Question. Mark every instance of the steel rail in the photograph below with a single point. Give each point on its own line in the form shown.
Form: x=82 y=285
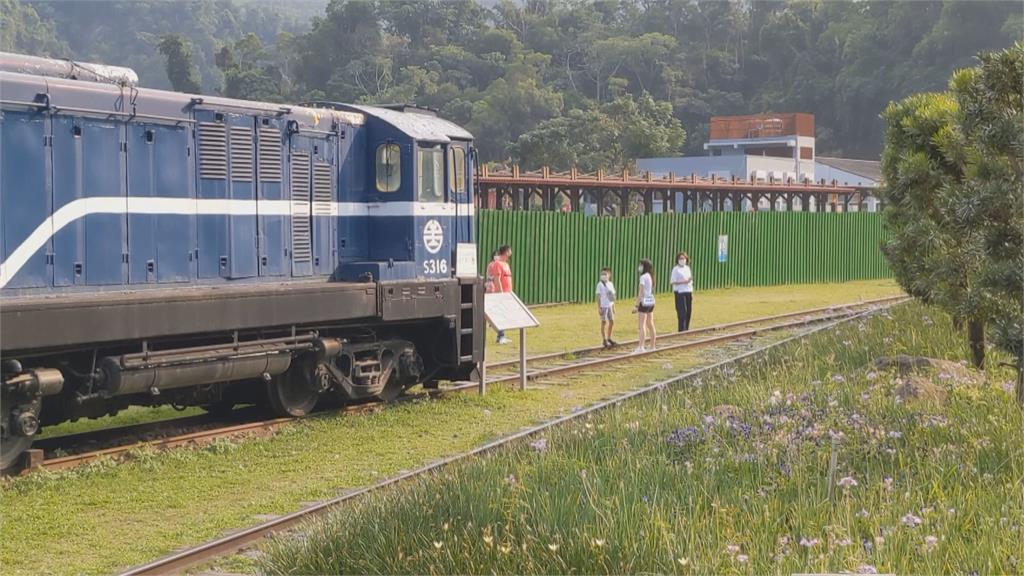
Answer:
x=232 y=543
x=714 y=328
x=65 y=462
x=73 y=460
x=602 y=360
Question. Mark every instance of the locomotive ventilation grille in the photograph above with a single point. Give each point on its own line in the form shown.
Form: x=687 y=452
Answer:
x=213 y=154
x=241 y=154
x=301 y=250
x=322 y=189
x=270 y=155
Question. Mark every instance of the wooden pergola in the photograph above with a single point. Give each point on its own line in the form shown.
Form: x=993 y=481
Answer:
x=624 y=193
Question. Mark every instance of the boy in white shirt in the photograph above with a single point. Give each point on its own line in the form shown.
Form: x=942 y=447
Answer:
x=606 y=306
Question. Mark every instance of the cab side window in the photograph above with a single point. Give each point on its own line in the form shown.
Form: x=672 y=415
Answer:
x=457 y=169
x=431 y=165
x=389 y=167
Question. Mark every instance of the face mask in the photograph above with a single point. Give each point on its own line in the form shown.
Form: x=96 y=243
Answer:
x=640 y=269
x=604 y=277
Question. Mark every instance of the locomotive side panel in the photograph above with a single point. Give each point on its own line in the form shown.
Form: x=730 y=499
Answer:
x=273 y=225
x=161 y=189
x=26 y=199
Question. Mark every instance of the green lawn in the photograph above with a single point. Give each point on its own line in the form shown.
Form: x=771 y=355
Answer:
x=106 y=516
x=730 y=474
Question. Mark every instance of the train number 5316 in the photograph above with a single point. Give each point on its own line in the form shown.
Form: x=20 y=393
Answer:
x=435 y=266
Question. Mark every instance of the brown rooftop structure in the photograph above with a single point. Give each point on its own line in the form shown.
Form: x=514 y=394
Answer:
x=762 y=126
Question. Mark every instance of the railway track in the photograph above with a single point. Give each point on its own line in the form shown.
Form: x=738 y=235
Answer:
x=239 y=540
x=210 y=427
x=588 y=358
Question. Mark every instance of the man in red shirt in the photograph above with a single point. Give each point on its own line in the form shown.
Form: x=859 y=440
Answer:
x=499 y=278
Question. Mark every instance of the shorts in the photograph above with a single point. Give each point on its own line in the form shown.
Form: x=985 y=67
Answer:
x=645 y=309
x=607 y=314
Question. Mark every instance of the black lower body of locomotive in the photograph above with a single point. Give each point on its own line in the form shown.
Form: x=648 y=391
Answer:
x=286 y=346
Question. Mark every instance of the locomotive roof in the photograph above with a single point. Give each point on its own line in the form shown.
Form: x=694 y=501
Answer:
x=98 y=98
x=416 y=125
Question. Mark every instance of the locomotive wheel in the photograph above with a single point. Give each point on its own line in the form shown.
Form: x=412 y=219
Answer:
x=289 y=394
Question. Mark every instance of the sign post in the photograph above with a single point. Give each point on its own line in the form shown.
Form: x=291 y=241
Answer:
x=505 y=311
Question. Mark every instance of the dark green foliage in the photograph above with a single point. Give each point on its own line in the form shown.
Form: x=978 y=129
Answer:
x=21 y=30
x=504 y=68
x=610 y=136
x=249 y=72
x=180 y=70
x=128 y=32
x=991 y=122
x=953 y=167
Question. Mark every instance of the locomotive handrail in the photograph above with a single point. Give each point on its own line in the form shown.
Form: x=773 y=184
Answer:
x=126 y=115
x=23 y=103
x=300 y=130
x=195 y=102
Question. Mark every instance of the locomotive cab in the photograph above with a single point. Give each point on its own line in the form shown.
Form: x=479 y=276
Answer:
x=417 y=194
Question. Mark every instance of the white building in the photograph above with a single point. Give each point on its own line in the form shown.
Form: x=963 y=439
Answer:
x=768 y=147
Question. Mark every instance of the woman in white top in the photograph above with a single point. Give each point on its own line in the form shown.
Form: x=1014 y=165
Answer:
x=682 y=285
x=645 y=306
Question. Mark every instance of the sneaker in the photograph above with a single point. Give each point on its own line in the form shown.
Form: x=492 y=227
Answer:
x=639 y=349
x=605 y=344
x=612 y=343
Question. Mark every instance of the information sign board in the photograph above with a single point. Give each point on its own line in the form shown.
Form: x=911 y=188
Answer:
x=505 y=311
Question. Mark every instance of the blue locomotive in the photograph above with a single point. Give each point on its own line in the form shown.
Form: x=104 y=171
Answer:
x=166 y=248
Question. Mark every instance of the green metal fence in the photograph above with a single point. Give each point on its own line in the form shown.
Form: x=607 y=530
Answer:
x=557 y=256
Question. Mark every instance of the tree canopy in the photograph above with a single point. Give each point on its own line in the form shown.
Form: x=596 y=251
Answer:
x=517 y=72
x=955 y=193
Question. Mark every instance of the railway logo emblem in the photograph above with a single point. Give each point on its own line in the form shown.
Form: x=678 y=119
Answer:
x=433 y=236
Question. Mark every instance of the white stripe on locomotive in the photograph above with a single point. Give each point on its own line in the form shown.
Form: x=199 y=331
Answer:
x=83 y=207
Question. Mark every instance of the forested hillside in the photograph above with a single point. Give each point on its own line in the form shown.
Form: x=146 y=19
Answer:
x=127 y=32
x=546 y=82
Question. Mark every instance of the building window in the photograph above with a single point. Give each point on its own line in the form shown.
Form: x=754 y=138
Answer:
x=457 y=169
x=389 y=167
x=431 y=188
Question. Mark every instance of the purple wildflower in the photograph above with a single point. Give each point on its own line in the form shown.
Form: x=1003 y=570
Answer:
x=539 y=445
x=683 y=437
x=910 y=520
x=847 y=482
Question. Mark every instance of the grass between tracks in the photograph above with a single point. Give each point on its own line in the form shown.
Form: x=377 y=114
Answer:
x=105 y=516
x=730 y=474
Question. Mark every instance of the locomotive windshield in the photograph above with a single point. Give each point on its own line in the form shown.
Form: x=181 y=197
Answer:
x=431 y=185
x=389 y=167
x=457 y=169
